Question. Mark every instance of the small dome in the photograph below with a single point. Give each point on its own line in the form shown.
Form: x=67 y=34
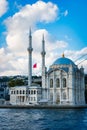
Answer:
x=63 y=61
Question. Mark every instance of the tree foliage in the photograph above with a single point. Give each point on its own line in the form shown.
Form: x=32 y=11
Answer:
x=16 y=82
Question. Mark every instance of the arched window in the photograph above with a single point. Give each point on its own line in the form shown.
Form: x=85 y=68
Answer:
x=17 y=91
x=57 y=83
x=20 y=92
x=51 y=83
x=64 y=82
x=34 y=91
x=57 y=98
x=23 y=92
x=31 y=91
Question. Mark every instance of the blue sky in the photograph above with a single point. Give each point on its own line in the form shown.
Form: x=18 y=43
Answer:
x=63 y=25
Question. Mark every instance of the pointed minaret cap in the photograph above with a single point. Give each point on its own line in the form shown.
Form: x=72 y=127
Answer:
x=30 y=31
x=43 y=37
x=63 y=55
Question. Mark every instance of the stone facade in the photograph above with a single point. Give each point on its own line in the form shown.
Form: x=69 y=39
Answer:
x=24 y=95
x=65 y=84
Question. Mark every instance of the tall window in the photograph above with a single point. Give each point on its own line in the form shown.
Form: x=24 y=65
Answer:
x=17 y=91
x=51 y=83
x=64 y=96
x=58 y=98
x=20 y=92
x=34 y=91
x=23 y=92
x=31 y=91
x=11 y=92
x=64 y=82
x=57 y=83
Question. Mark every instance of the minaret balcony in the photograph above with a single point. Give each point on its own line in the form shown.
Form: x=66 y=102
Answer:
x=43 y=53
x=30 y=49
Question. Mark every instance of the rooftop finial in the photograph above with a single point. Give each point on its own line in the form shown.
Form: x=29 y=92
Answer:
x=63 y=55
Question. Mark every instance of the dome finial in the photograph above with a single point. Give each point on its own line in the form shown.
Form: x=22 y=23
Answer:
x=63 y=55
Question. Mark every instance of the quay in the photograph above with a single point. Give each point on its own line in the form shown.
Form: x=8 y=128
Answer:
x=43 y=106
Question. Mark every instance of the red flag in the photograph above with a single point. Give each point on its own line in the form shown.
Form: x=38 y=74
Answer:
x=35 y=65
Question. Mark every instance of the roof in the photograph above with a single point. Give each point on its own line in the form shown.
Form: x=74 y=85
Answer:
x=63 y=61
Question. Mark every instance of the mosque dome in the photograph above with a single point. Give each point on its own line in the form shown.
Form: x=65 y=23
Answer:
x=63 y=61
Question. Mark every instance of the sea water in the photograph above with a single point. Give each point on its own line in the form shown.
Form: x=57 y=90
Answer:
x=43 y=119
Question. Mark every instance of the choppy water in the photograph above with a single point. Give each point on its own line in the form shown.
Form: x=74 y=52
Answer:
x=43 y=119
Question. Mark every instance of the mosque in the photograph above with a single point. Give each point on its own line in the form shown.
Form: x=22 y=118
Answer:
x=62 y=84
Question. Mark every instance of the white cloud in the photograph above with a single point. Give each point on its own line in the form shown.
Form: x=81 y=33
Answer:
x=3 y=7
x=28 y=16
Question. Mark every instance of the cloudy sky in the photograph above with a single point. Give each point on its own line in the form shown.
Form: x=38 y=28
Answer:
x=63 y=23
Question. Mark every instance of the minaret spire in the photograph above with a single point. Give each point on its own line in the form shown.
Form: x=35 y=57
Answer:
x=43 y=53
x=30 y=32
x=30 y=49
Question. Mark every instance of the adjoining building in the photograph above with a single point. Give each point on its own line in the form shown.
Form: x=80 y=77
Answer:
x=22 y=95
x=62 y=84
x=4 y=90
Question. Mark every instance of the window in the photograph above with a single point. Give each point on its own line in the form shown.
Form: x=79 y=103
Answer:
x=17 y=91
x=64 y=82
x=23 y=99
x=23 y=92
x=11 y=92
x=57 y=83
x=31 y=98
x=34 y=91
x=51 y=83
x=20 y=92
x=31 y=91
x=58 y=98
x=64 y=95
x=2 y=95
x=34 y=99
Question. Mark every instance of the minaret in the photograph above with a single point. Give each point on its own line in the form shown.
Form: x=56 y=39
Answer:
x=43 y=53
x=30 y=49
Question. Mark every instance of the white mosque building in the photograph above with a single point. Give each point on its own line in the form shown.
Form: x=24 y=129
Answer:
x=62 y=84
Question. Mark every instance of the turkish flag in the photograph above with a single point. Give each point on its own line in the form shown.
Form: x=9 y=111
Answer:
x=35 y=65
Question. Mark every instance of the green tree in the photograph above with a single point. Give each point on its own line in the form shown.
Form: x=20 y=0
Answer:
x=16 y=82
x=19 y=82
x=11 y=83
